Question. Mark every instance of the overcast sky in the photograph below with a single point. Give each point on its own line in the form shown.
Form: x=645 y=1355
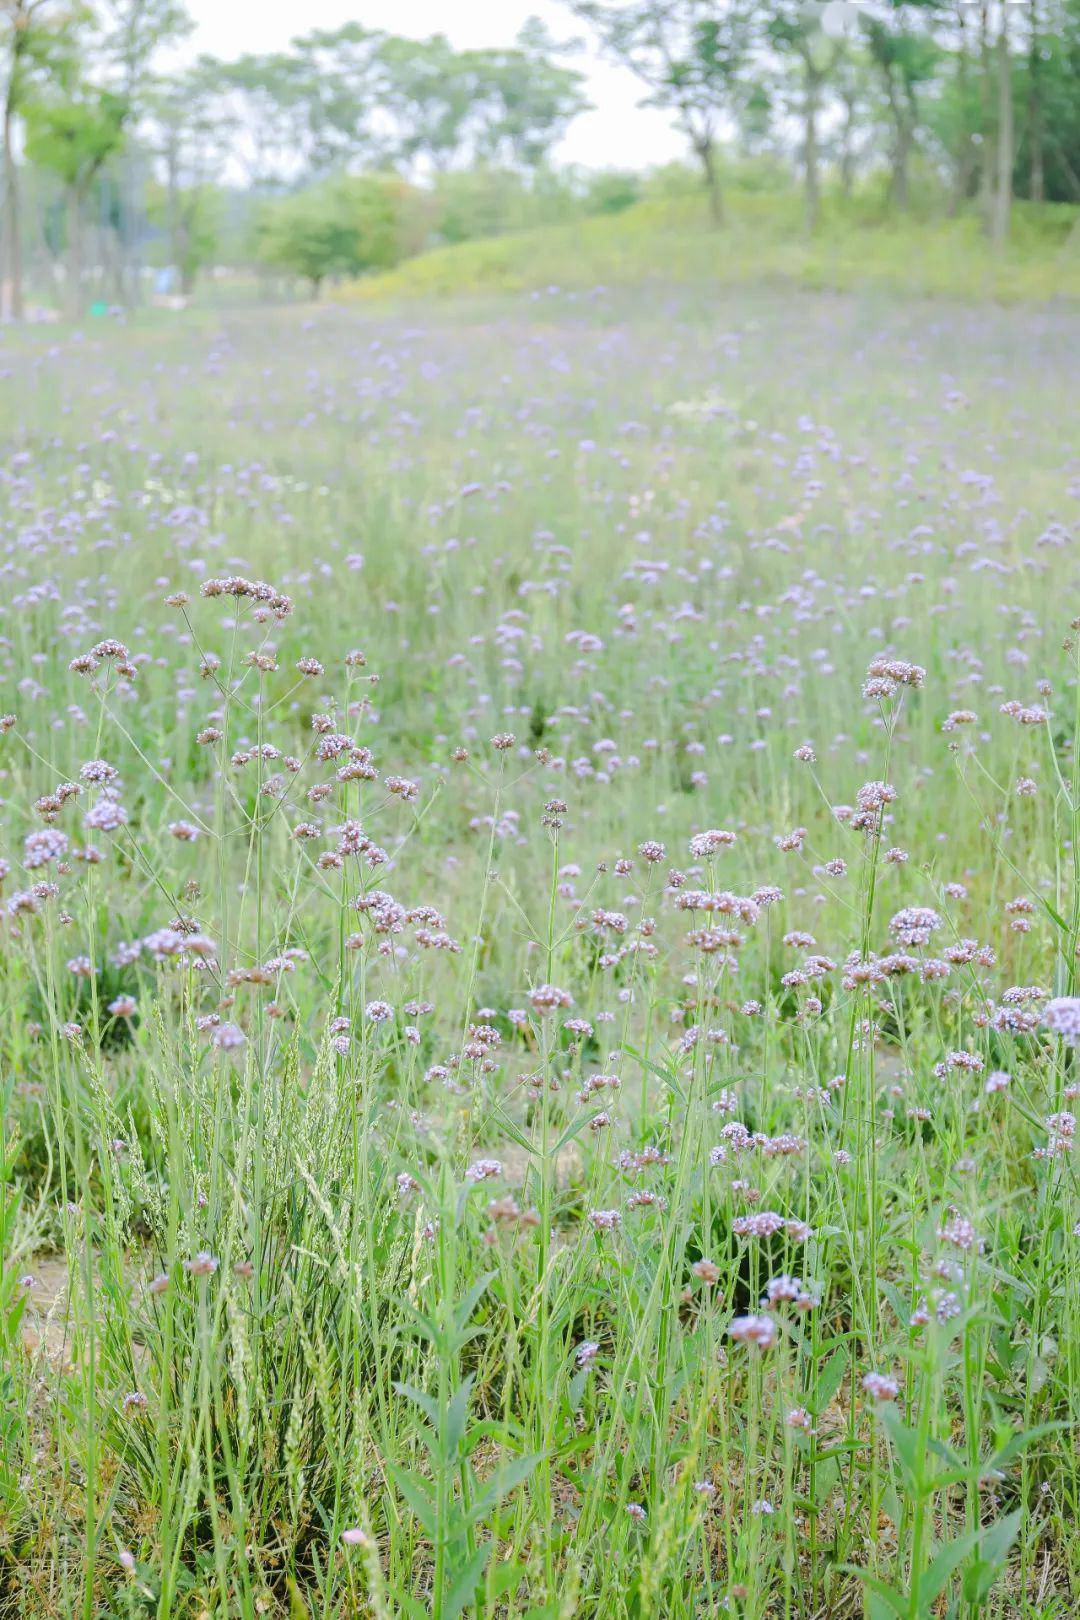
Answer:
x=617 y=133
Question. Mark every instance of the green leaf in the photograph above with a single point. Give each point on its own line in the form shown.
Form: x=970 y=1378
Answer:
x=997 y=1540
x=468 y=1303
x=1013 y=1447
x=575 y=1129
x=947 y=1453
x=428 y=1406
x=456 y=1416
x=907 y=1447
x=878 y=1608
x=829 y=1380
x=1056 y=917
x=466 y=1582
x=416 y=1499
x=508 y=1128
x=500 y=1483
x=505 y=1577
x=950 y=1557
x=298 y=1609
x=411 y=1607
x=576 y=1388
x=881 y=1599
x=666 y=1075
x=423 y=1324
x=993 y=1552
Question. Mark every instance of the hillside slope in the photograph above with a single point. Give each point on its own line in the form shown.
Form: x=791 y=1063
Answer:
x=672 y=241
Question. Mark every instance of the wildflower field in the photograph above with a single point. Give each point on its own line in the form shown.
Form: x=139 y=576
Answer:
x=541 y=895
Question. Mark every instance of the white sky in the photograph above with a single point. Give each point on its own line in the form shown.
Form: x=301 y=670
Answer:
x=617 y=134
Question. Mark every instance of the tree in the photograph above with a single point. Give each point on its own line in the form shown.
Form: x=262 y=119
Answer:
x=259 y=105
x=690 y=54
x=76 y=123
x=310 y=109
x=427 y=88
x=956 y=116
x=191 y=216
x=1003 y=197
x=340 y=76
x=795 y=29
x=133 y=31
x=1036 y=189
x=75 y=138
x=496 y=106
x=340 y=227
x=852 y=86
x=1048 y=155
x=522 y=100
x=905 y=60
x=38 y=39
x=189 y=140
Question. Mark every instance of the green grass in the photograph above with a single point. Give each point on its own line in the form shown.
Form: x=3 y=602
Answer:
x=339 y=1320
x=671 y=242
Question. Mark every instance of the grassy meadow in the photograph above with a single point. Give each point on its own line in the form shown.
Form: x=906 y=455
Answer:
x=540 y=914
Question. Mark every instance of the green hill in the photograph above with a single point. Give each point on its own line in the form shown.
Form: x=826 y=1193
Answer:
x=671 y=241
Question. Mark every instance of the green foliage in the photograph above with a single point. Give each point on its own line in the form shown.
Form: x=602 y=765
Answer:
x=521 y=99
x=612 y=192
x=691 y=57
x=41 y=45
x=428 y=88
x=1045 y=84
x=343 y=227
x=191 y=220
x=134 y=31
x=75 y=137
x=469 y=203
x=352 y=96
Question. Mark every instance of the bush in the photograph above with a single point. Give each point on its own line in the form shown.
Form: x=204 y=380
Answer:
x=341 y=227
x=471 y=203
x=612 y=192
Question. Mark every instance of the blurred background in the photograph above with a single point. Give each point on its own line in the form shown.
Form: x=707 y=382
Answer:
x=156 y=153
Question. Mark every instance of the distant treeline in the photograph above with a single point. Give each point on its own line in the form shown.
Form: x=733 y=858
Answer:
x=355 y=148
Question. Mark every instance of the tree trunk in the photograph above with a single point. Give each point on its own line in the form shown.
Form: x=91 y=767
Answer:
x=965 y=159
x=1072 y=179
x=901 y=192
x=1003 y=199
x=810 y=152
x=12 y=265
x=963 y=176
x=130 y=251
x=75 y=251
x=183 y=255
x=847 y=154
x=1037 y=183
x=986 y=173
x=902 y=136
x=172 y=204
x=706 y=152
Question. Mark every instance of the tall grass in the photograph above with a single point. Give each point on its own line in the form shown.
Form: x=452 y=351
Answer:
x=590 y=1132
